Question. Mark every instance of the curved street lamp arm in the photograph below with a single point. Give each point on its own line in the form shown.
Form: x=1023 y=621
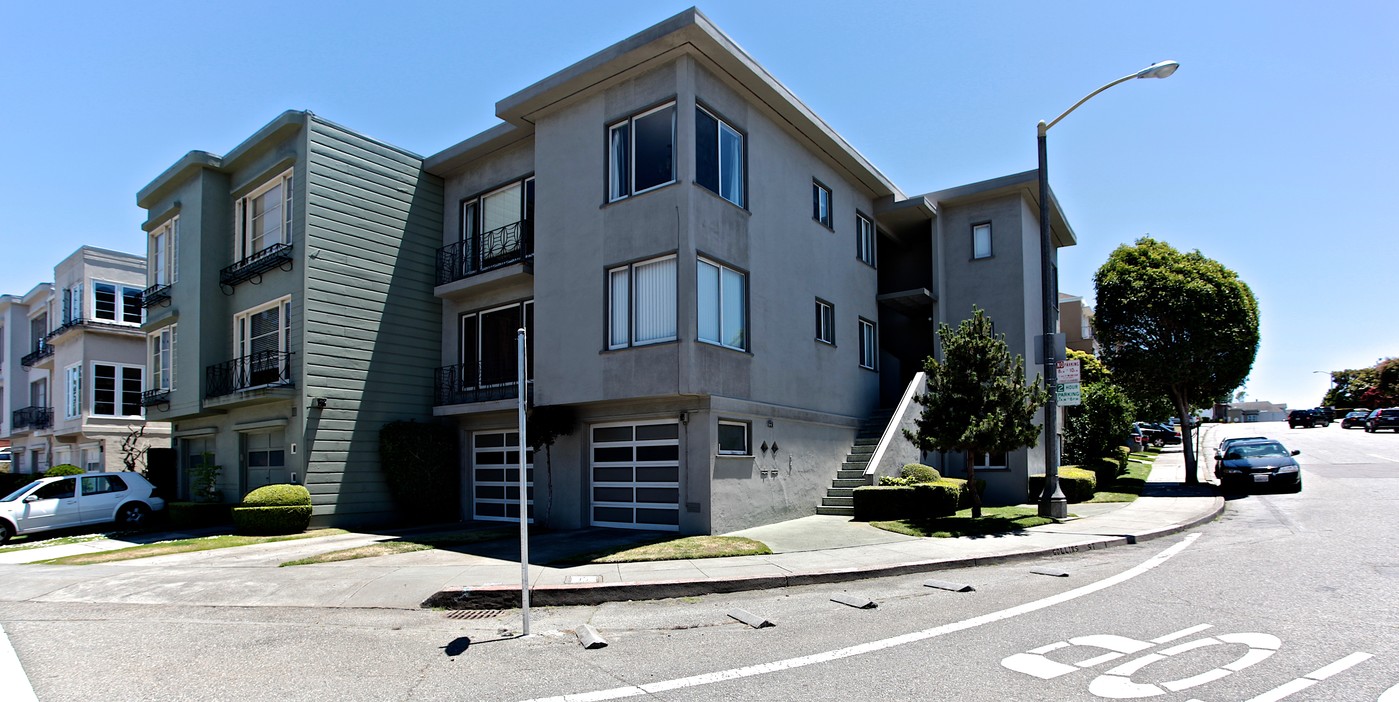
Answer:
x=1045 y=127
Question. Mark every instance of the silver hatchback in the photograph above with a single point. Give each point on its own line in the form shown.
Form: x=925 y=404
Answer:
x=77 y=500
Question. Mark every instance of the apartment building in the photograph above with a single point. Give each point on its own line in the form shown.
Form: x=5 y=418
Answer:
x=1076 y=324
x=719 y=291
x=289 y=310
x=74 y=395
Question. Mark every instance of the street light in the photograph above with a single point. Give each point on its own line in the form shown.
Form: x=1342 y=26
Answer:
x=1052 y=501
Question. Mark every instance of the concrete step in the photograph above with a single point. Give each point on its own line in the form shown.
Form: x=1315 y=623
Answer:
x=840 y=492
x=836 y=511
x=871 y=441
x=847 y=483
x=855 y=465
x=855 y=474
x=829 y=501
x=862 y=450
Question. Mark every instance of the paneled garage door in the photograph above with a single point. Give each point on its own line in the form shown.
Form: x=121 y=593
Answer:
x=636 y=475
x=495 y=473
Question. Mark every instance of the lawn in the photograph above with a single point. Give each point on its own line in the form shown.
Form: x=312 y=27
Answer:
x=1128 y=486
x=23 y=543
x=677 y=549
x=994 y=520
x=165 y=548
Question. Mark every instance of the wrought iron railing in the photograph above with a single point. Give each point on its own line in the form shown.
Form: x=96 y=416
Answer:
x=262 y=369
x=157 y=293
x=255 y=265
x=44 y=351
x=497 y=248
x=464 y=383
x=32 y=418
x=155 y=396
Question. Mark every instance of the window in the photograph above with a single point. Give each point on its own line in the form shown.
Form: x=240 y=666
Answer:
x=991 y=461
x=64 y=489
x=733 y=438
x=496 y=226
x=102 y=484
x=981 y=240
x=864 y=239
x=73 y=303
x=116 y=390
x=821 y=204
x=263 y=338
x=264 y=216
x=164 y=247
x=163 y=358
x=723 y=303
x=718 y=156
x=115 y=303
x=868 y=344
x=73 y=406
x=641 y=153
x=641 y=299
x=489 y=355
x=825 y=321
x=38 y=328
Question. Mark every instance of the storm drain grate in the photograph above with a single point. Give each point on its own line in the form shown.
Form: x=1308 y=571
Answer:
x=473 y=613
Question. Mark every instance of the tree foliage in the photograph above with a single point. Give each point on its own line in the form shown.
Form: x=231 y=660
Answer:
x=1094 y=429
x=1371 y=388
x=1091 y=370
x=421 y=467
x=977 y=400
x=1177 y=324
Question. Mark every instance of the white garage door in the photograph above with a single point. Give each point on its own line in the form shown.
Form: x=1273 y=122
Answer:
x=636 y=475
x=495 y=476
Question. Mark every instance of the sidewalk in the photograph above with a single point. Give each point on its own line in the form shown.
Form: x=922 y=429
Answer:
x=817 y=549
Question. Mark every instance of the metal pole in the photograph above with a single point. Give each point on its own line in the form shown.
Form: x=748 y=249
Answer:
x=1053 y=503
x=524 y=493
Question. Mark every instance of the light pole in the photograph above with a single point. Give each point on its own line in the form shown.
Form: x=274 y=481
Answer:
x=1052 y=502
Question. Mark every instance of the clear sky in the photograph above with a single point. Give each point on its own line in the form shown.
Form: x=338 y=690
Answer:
x=1272 y=150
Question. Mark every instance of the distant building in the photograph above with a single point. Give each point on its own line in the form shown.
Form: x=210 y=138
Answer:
x=1251 y=412
x=1076 y=324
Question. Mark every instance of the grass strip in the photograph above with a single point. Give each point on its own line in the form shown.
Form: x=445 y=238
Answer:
x=165 y=548
x=678 y=549
x=16 y=545
x=420 y=542
x=994 y=520
x=1127 y=487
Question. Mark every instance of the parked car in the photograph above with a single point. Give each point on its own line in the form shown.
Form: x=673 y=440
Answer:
x=1224 y=445
x=1330 y=413
x=1355 y=419
x=1259 y=463
x=1306 y=418
x=1387 y=418
x=76 y=500
x=1158 y=434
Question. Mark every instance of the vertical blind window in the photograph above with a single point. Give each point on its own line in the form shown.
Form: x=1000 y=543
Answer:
x=722 y=298
x=75 y=392
x=641 y=153
x=718 y=156
x=642 y=303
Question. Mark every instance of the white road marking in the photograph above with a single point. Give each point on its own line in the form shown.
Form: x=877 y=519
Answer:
x=872 y=646
x=1117 y=683
x=1180 y=634
x=1382 y=458
x=1390 y=695
x=12 y=678
x=1315 y=677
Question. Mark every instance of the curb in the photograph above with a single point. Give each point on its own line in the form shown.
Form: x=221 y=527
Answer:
x=508 y=597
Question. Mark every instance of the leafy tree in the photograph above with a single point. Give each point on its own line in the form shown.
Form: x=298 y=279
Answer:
x=1376 y=386
x=977 y=400
x=1177 y=324
x=544 y=425
x=1094 y=429
x=1091 y=370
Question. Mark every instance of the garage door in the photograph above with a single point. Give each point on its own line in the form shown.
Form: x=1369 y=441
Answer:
x=495 y=476
x=636 y=475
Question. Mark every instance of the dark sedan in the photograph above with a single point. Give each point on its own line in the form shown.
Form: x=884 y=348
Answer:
x=1259 y=463
x=1355 y=419
x=1387 y=418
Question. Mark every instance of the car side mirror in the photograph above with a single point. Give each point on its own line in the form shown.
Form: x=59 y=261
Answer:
x=31 y=498
x=1296 y=452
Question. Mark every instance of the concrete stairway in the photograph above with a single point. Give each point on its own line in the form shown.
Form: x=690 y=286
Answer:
x=840 y=499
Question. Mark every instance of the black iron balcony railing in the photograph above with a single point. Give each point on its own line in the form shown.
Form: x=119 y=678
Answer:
x=276 y=255
x=476 y=382
x=32 y=418
x=44 y=351
x=155 y=294
x=497 y=248
x=155 y=396
x=262 y=369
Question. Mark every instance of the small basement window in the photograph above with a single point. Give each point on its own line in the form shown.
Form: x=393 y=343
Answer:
x=733 y=438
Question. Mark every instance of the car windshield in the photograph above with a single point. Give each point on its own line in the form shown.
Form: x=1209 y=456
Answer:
x=15 y=495
x=1268 y=450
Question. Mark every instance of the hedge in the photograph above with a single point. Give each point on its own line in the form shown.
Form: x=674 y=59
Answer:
x=277 y=496
x=1078 y=484
x=63 y=469
x=939 y=498
x=274 y=509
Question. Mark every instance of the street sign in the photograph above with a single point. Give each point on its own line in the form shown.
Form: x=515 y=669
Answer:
x=1068 y=394
x=1067 y=371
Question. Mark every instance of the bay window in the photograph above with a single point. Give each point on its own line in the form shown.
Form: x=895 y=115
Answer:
x=723 y=301
x=718 y=156
x=641 y=303
x=641 y=153
x=264 y=216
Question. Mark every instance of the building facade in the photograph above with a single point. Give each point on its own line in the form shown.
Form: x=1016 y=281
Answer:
x=1076 y=324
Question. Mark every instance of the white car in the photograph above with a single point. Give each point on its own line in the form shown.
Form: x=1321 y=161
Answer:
x=77 y=500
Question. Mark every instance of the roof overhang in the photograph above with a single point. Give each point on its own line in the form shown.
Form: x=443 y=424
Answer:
x=1026 y=185
x=283 y=126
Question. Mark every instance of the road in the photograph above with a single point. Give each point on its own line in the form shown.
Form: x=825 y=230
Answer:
x=1285 y=597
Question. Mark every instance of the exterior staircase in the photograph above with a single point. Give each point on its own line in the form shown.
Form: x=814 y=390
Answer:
x=840 y=498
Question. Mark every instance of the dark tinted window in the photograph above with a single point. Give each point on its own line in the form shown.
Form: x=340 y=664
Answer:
x=60 y=490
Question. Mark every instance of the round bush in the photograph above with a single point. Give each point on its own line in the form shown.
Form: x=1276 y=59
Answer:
x=63 y=469
x=920 y=473
x=277 y=496
x=271 y=521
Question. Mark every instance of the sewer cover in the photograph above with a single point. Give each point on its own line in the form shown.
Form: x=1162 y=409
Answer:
x=473 y=613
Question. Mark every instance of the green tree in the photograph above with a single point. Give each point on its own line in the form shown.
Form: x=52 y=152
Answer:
x=977 y=400
x=1094 y=429
x=1177 y=324
x=1376 y=386
x=1091 y=370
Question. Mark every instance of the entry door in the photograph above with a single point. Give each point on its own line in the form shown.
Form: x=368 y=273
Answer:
x=636 y=475
x=495 y=476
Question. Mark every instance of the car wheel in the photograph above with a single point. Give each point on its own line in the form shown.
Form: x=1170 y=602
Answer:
x=7 y=532
x=134 y=514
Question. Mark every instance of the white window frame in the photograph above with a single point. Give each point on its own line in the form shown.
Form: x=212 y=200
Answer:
x=74 y=303
x=164 y=267
x=119 y=294
x=623 y=185
x=746 y=450
x=719 y=305
x=822 y=195
x=723 y=129
x=245 y=237
x=242 y=341
x=119 y=372
x=622 y=329
x=73 y=398
x=825 y=322
x=864 y=238
x=981 y=241
x=162 y=347
x=984 y=461
x=869 y=344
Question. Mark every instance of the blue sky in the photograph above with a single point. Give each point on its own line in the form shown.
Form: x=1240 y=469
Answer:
x=1272 y=150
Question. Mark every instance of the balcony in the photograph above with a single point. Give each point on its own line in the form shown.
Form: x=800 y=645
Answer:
x=44 y=350
x=155 y=294
x=155 y=396
x=498 y=248
x=466 y=383
x=265 y=369
x=274 y=256
x=32 y=418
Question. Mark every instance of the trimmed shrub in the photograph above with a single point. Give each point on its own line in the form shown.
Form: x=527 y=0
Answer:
x=274 y=509
x=188 y=515
x=420 y=465
x=924 y=474
x=1077 y=483
x=63 y=469
x=938 y=498
x=1105 y=472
